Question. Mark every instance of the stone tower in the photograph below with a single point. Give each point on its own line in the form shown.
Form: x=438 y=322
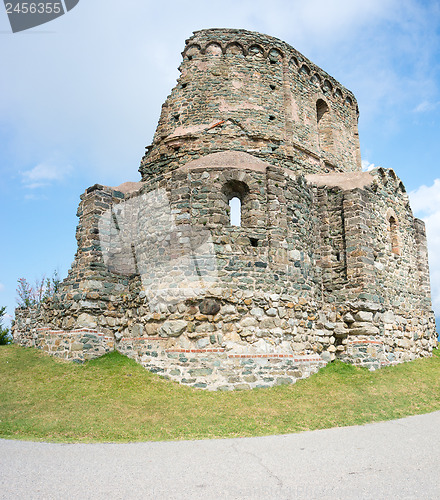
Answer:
x=325 y=262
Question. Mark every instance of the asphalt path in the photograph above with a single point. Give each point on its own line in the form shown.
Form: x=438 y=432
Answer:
x=398 y=459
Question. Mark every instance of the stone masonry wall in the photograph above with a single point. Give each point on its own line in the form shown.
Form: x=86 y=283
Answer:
x=266 y=300
x=327 y=263
x=248 y=92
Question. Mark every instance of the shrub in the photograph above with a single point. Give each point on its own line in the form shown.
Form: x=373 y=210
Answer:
x=4 y=332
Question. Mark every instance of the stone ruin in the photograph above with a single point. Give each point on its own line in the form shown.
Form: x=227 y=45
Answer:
x=326 y=262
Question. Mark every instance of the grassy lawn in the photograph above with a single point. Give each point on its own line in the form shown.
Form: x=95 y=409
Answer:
x=114 y=399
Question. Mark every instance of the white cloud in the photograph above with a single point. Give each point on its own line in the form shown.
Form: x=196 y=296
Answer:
x=318 y=21
x=44 y=174
x=426 y=106
x=367 y=166
x=2 y=287
x=99 y=95
x=426 y=199
x=425 y=202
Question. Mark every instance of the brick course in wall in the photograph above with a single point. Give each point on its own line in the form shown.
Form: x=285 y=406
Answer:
x=327 y=263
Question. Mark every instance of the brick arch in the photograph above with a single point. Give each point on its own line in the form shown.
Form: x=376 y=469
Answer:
x=316 y=79
x=293 y=62
x=192 y=50
x=327 y=86
x=275 y=56
x=234 y=48
x=213 y=49
x=256 y=50
x=304 y=70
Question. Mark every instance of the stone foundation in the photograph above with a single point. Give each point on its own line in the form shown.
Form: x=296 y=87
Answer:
x=256 y=342
x=74 y=345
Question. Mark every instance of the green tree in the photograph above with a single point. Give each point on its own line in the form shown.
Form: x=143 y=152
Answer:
x=31 y=295
x=26 y=295
x=4 y=332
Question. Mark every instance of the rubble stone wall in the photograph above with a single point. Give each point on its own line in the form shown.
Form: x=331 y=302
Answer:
x=244 y=91
x=327 y=263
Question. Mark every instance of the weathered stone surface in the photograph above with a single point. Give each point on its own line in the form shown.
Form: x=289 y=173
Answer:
x=202 y=343
x=257 y=312
x=388 y=317
x=173 y=328
x=348 y=318
x=267 y=323
x=245 y=322
x=209 y=306
x=228 y=309
x=363 y=316
x=359 y=328
x=86 y=320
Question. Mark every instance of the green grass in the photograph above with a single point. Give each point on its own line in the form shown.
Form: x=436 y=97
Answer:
x=114 y=399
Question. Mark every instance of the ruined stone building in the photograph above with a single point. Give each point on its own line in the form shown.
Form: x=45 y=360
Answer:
x=325 y=262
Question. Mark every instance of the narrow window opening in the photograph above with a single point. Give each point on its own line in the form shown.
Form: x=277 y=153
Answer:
x=338 y=256
x=321 y=110
x=176 y=117
x=235 y=211
x=254 y=242
x=184 y=85
x=323 y=119
x=271 y=117
x=272 y=87
x=235 y=196
x=394 y=236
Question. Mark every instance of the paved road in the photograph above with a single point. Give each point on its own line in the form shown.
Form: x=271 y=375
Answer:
x=391 y=460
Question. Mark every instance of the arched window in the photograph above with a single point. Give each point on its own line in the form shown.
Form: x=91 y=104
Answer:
x=325 y=133
x=235 y=211
x=235 y=197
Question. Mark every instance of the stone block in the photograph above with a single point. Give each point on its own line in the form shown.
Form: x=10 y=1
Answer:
x=364 y=316
x=241 y=387
x=348 y=318
x=228 y=309
x=202 y=343
x=257 y=312
x=76 y=346
x=173 y=328
x=86 y=320
x=359 y=328
x=248 y=321
x=388 y=317
x=209 y=307
x=284 y=381
x=200 y=372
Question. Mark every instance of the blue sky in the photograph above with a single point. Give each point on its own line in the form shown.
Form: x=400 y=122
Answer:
x=80 y=98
